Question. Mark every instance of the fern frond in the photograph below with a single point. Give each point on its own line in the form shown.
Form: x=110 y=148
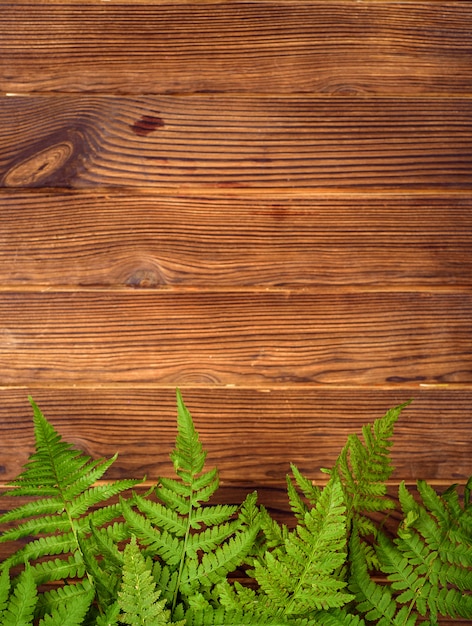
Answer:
x=177 y=493
x=58 y=569
x=365 y=467
x=274 y=534
x=166 y=580
x=222 y=617
x=161 y=543
x=374 y=601
x=430 y=560
x=62 y=479
x=209 y=539
x=311 y=491
x=46 y=506
x=19 y=610
x=198 y=544
x=161 y=516
x=300 y=575
x=42 y=547
x=426 y=586
x=338 y=617
x=138 y=596
x=188 y=456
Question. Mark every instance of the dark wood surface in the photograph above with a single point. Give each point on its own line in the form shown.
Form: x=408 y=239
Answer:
x=267 y=204
x=331 y=47
x=245 y=429
x=352 y=242
x=236 y=338
x=295 y=144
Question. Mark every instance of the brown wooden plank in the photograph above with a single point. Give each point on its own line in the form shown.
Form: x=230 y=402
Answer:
x=227 y=338
x=148 y=241
x=327 y=47
x=296 y=144
x=251 y=435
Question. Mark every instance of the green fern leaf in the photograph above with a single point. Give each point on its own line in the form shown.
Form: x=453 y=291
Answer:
x=198 y=544
x=4 y=589
x=215 y=565
x=161 y=543
x=374 y=601
x=138 y=596
x=42 y=547
x=365 y=467
x=188 y=456
x=338 y=617
x=166 y=580
x=47 y=506
x=62 y=481
x=110 y=616
x=78 y=595
x=431 y=555
x=21 y=605
x=161 y=516
x=309 y=490
x=300 y=576
x=222 y=617
x=58 y=569
x=275 y=534
x=70 y=611
x=210 y=538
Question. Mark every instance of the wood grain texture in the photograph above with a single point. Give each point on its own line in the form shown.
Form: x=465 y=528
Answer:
x=298 y=144
x=266 y=203
x=255 y=339
x=251 y=435
x=336 y=48
x=149 y=241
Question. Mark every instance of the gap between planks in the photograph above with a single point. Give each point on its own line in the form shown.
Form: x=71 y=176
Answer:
x=228 y=290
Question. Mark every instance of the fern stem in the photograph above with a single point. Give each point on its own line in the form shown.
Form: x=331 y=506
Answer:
x=184 y=553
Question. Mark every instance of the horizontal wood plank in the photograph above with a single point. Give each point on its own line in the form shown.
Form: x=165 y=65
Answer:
x=251 y=435
x=225 y=338
x=297 y=144
x=149 y=241
x=335 y=48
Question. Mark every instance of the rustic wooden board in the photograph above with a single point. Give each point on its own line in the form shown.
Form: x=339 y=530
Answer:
x=147 y=241
x=255 y=339
x=298 y=144
x=251 y=435
x=265 y=203
x=336 y=48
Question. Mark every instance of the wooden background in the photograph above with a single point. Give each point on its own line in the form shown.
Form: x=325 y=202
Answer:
x=265 y=203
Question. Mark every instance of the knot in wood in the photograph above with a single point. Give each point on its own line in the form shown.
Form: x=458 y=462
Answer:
x=39 y=166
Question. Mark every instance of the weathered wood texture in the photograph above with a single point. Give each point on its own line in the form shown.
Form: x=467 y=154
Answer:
x=266 y=203
x=235 y=338
x=245 y=429
x=145 y=240
x=270 y=144
x=336 y=48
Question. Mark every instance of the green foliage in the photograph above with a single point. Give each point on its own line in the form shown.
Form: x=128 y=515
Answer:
x=171 y=556
x=138 y=597
x=364 y=469
x=62 y=483
x=302 y=573
x=197 y=546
